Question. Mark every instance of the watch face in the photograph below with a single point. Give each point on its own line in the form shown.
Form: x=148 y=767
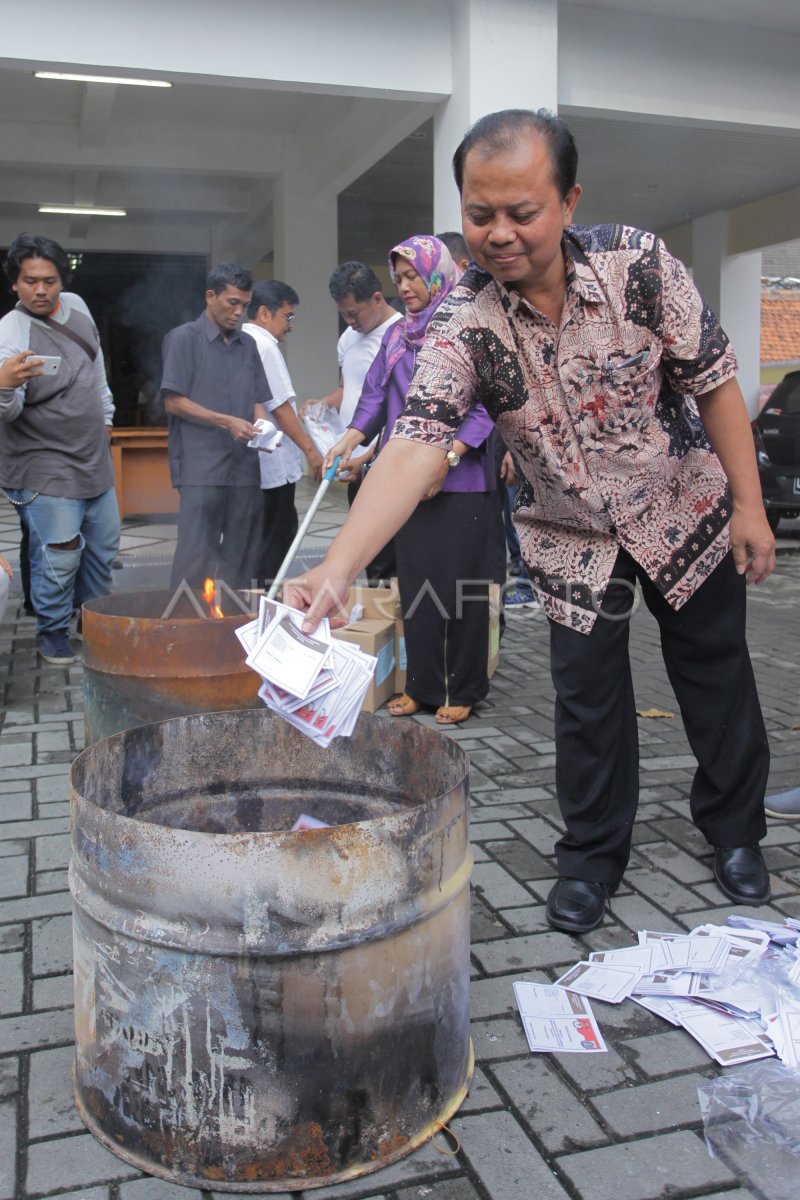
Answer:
x=452 y=459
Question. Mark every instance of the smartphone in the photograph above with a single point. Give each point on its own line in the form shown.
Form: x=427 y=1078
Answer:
x=49 y=363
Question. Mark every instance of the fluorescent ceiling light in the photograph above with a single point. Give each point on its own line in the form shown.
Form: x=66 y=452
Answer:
x=159 y=83
x=79 y=210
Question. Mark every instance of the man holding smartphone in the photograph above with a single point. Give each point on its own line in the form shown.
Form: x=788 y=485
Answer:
x=55 y=460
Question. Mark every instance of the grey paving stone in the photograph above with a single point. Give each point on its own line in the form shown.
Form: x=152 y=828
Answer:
x=651 y=1107
x=30 y=829
x=16 y=806
x=501 y=1155
x=11 y=848
x=154 y=1189
x=457 y=1188
x=649 y=1169
x=53 y=739
x=12 y=937
x=52 y=852
x=556 y=1116
x=427 y=1163
x=72 y=1162
x=30 y=1031
x=522 y=860
x=637 y=913
x=54 y=991
x=9 y=1077
x=481 y=1095
x=495 y=997
x=661 y=889
x=29 y=907
x=498 y=1037
x=527 y=920
x=8 y=1150
x=52 y=945
x=51 y=1107
x=99 y=1193
x=51 y=881
x=16 y=753
x=596 y=1072
x=14 y=877
x=12 y=983
x=667 y=1052
x=499 y=889
x=531 y=950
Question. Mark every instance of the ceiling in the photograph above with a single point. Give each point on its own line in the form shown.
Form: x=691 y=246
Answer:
x=195 y=164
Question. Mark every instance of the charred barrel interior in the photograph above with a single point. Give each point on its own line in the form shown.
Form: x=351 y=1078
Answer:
x=259 y=1009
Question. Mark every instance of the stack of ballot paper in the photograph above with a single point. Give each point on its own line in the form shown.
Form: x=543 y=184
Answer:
x=735 y=988
x=315 y=683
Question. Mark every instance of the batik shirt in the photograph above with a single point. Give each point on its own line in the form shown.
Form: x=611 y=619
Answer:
x=598 y=413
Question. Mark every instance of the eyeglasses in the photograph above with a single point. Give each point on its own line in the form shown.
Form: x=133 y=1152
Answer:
x=289 y=318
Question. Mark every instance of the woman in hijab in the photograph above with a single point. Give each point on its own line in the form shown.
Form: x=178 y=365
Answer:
x=442 y=551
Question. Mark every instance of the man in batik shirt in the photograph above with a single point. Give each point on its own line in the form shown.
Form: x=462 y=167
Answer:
x=614 y=387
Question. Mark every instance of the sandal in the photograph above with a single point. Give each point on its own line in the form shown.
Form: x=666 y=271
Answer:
x=452 y=714
x=403 y=706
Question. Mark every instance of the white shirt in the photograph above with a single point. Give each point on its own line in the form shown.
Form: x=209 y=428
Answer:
x=284 y=465
x=356 y=352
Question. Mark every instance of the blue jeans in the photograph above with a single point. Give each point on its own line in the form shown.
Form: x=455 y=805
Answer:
x=63 y=575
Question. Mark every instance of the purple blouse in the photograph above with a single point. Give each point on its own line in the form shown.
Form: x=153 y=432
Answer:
x=379 y=407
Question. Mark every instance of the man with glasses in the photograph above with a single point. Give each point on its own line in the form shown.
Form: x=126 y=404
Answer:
x=271 y=314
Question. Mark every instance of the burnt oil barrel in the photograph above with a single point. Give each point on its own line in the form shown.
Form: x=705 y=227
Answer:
x=259 y=1009
x=141 y=666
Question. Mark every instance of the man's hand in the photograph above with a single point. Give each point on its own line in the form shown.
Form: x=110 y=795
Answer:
x=752 y=543
x=239 y=429
x=319 y=593
x=343 y=449
x=16 y=371
x=508 y=475
x=314 y=460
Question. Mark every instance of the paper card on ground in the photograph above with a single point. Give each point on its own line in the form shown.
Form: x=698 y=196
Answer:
x=610 y=983
x=728 y=1040
x=634 y=956
x=555 y=1019
x=658 y=1005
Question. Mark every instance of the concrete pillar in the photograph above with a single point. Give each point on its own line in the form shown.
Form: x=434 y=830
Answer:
x=505 y=55
x=305 y=244
x=731 y=285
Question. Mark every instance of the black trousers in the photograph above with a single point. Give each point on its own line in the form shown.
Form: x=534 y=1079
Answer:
x=219 y=535
x=442 y=573
x=597 y=752
x=278 y=530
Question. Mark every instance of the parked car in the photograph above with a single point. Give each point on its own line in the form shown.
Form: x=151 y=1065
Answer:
x=776 y=431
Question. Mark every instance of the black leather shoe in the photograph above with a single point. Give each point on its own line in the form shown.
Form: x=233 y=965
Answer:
x=577 y=905
x=742 y=874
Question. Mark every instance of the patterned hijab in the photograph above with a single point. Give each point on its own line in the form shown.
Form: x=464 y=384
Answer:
x=431 y=259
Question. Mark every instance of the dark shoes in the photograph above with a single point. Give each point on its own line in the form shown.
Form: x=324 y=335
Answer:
x=742 y=874
x=55 y=648
x=577 y=905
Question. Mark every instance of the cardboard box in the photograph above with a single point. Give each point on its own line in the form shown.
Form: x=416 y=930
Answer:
x=380 y=604
x=374 y=637
x=493 y=649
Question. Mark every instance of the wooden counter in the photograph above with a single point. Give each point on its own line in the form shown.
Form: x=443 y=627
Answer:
x=141 y=472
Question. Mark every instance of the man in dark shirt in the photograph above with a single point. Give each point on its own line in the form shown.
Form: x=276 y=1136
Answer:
x=214 y=388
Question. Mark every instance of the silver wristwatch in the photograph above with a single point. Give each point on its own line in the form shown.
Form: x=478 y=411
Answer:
x=452 y=459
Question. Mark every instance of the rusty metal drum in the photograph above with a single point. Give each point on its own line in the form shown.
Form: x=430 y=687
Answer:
x=141 y=666
x=259 y=1009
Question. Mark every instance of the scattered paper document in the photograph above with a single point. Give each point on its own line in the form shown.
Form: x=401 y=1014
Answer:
x=557 y=1020
x=610 y=983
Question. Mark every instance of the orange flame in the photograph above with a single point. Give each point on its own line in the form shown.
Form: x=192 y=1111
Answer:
x=210 y=597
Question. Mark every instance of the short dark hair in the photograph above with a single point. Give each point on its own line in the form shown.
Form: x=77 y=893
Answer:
x=455 y=244
x=355 y=277
x=226 y=275
x=271 y=294
x=31 y=245
x=499 y=131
